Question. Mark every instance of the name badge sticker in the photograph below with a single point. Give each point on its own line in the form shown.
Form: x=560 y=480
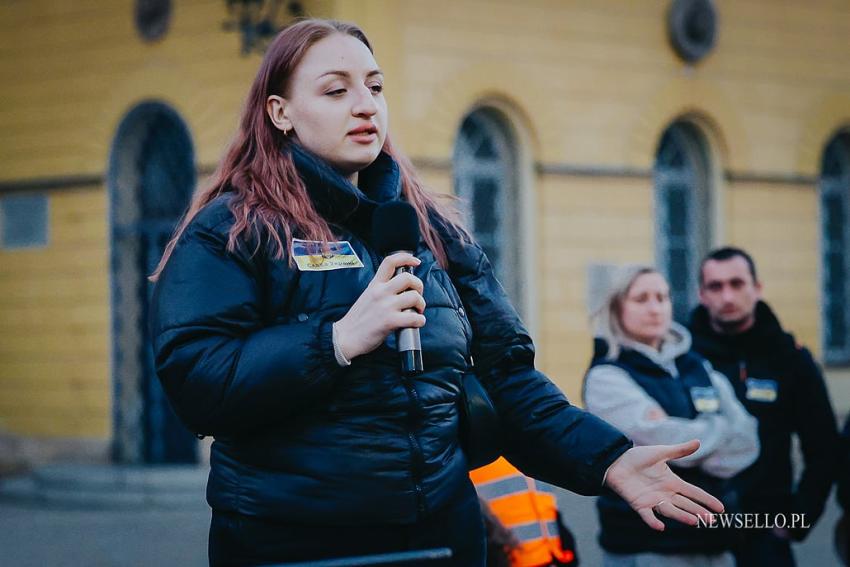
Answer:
x=705 y=399
x=316 y=256
x=759 y=390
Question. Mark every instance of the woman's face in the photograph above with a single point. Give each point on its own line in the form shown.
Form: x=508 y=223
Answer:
x=646 y=311
x=335 y=104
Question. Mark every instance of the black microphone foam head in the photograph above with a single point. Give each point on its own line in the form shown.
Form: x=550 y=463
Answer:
x=395 y=227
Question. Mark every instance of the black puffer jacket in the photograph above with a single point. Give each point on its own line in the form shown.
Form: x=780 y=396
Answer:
x=766 y=353
x=243 y=348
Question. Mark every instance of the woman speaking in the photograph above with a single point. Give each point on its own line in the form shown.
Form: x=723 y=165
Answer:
x=275 y=318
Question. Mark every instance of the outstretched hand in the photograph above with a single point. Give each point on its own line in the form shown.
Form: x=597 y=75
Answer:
x=643 y=479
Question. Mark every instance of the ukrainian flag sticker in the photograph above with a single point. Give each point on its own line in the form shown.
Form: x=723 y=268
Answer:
x=705 y=399
x=316 y=256
x=762 y=390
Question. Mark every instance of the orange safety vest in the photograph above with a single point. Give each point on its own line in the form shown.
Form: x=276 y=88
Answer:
x=527 y=508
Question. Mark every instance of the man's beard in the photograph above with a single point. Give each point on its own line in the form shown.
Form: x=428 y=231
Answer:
x=731 y=326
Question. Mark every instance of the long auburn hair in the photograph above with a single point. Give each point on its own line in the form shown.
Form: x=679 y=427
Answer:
x=269 y=195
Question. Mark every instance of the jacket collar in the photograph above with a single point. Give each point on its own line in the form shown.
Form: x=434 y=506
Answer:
x=336 y=198
x=765 y=334
x=676 y=343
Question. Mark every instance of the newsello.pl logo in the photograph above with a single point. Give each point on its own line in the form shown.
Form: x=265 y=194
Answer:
x=749 y=521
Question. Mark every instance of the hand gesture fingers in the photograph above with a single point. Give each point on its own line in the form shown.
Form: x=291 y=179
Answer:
x=699 y=496
x=648 y=516
x=691 y=507
x=641 y=476
x=673 y=452
x=668 y=509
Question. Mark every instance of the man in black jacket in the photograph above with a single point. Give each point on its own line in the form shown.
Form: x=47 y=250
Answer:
x=778 y=382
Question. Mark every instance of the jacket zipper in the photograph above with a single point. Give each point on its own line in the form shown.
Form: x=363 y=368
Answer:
x=414 y=413
x=417 y=459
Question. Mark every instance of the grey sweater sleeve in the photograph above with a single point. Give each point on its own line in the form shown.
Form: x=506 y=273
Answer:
x=741 y=446
x=611 y=394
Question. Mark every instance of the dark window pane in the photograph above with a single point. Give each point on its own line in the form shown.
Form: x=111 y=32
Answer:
x=485 y=218
x=836 y=276
x=677 y=273
x=167 y=169
x=670 y=153
x=677 y=268
x=469 y=129
x=484 y=198
x=677 y=210
x=831 y=165
x=836 y=331
x=681 y=303
x=836 y=157
x=486 y=148
x=23 y=219
x=834 y=217
x=677 y=158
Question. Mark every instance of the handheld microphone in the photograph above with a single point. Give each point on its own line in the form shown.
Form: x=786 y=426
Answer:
x=395 y=228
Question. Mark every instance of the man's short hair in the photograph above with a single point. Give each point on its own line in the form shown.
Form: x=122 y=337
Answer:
x=727 y=253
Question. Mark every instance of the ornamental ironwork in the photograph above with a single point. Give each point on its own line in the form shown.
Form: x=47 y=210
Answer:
x=258 y=21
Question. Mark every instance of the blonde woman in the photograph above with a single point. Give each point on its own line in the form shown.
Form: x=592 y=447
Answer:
x=646 y=381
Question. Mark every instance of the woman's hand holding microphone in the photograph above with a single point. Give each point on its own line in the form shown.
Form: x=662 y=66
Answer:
x=382 y=308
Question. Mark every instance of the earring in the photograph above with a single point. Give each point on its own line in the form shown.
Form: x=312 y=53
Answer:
x=286 y=131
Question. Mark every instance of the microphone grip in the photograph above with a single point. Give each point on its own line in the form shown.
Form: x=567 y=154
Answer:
x=410 y=350
x=409 y=345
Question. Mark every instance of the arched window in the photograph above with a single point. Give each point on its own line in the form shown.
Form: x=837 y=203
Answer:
x=151 y=179
x=485 y=178
x=835 y=249
x=682 y=205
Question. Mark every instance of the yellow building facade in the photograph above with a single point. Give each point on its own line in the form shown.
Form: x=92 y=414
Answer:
x=583 y=93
